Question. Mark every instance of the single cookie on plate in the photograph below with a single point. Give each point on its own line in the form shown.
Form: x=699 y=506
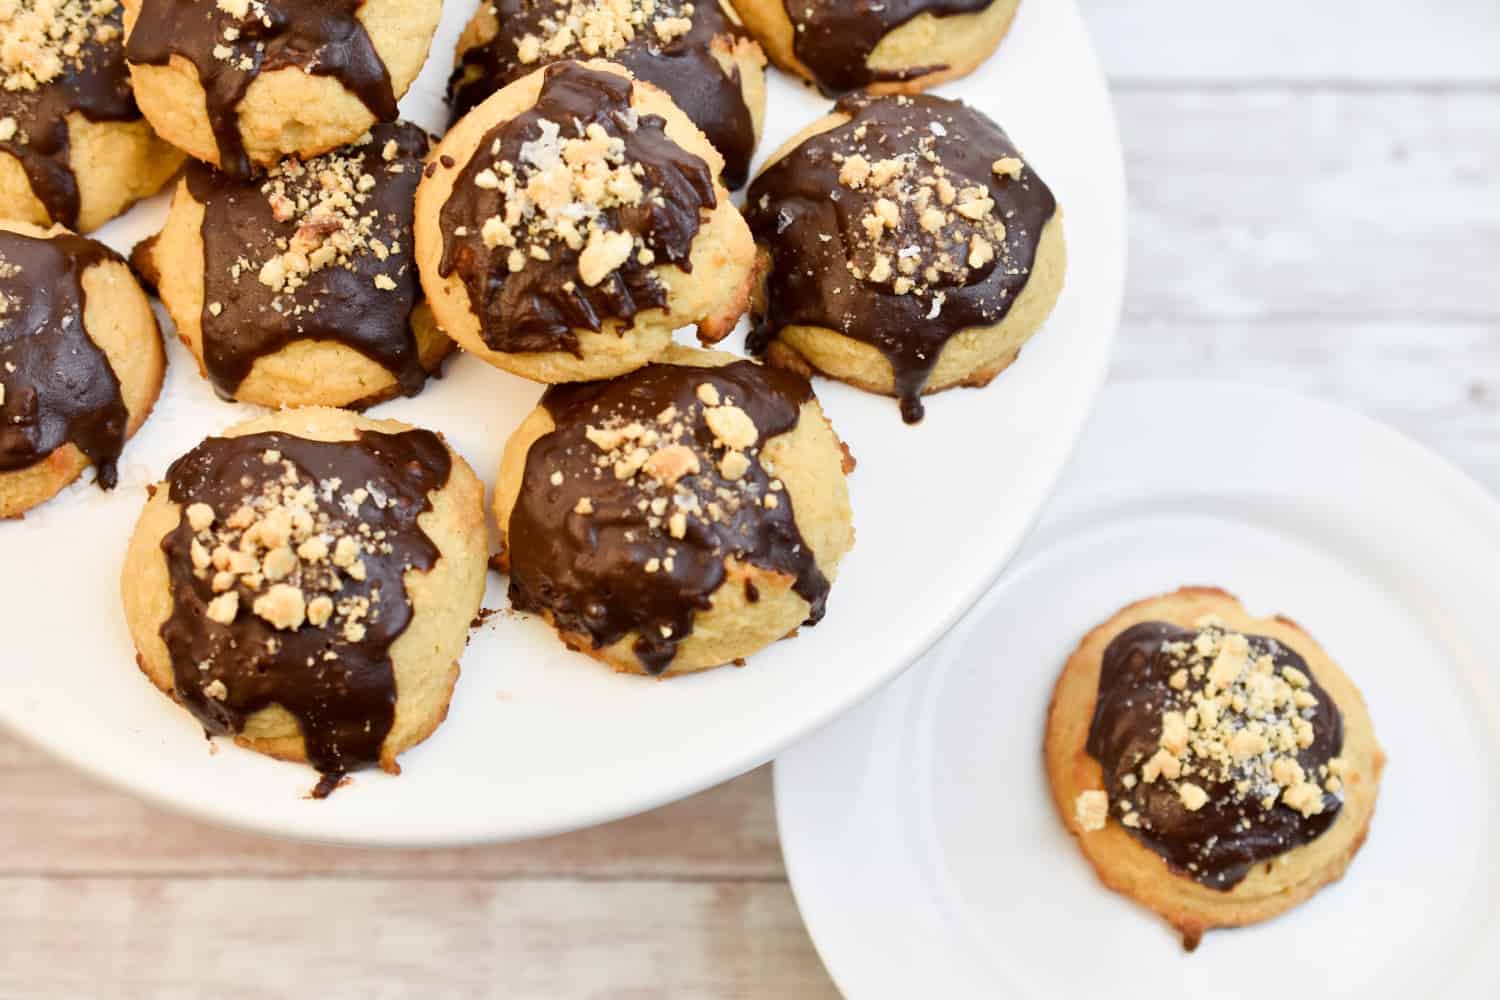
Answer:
x=572 y=221
x=888 y=46
x=697 y=52
x=74 y=149
x=910 y=248
x=300 y=288
x=243 y=83
x=1215 y=767
x=81 y=362
x=306 y=580
x=677 y=518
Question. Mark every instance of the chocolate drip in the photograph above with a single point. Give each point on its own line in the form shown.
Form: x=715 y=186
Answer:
x=798 y=203
x=539 y=307
x=1211 y=845
x=835 y=38
x=323 y=38
x=589 y=571
x=684 y=67
x=342 y=691
x=59 y=386
x=340 y=303
x=96 y=85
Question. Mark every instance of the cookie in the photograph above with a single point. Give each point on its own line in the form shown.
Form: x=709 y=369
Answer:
x=695 y=51
x=81 y=362
x=572 y=221
x=677 y=518
x=244 y=83
x=300 y=288
x=74 y=149
x=910 y=248
x=1215 y=767
x=890 y=46
x=305 y=581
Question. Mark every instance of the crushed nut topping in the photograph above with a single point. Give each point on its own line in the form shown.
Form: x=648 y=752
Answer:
x=1091 y=809
x=40 y=40
x=561 y=192
x=286 y=553
x=238 y=47
x=327 y=198
x=1238 y=719
x=601 y=28
x=662 y=459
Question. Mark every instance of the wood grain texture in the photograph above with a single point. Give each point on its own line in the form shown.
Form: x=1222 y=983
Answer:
x=1315 y=204
x=258 y=937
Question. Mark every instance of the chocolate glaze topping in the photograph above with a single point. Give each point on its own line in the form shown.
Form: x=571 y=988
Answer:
x=1218 y=843
x=600 y=551
x=538 y=306
x=323 y=38
x=58 y=385
x=255 y=221
x=922 y=278
x=336 y=678
x=95 y=84
x=681 y=64
x=835 y=38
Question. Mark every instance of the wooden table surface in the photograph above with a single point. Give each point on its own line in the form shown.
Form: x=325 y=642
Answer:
x=1314 y=203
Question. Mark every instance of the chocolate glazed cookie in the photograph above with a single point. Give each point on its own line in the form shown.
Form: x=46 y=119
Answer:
x=881 y=45
x=68 y=117
x=696 y=52
x=910 y=248
x=1218 y=768
x=570 y=223
x=301 y=288
x=676 y=518
x=350 y=60
x=80 y=362
x=305 y=581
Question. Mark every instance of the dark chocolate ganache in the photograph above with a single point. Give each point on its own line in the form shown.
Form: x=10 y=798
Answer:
x=1219 y=750
x=313 y=251
x=629 y=508
x=68 y=58
x=56 y=385
x=914 y=220
x=556 y=222
x=231 y=42
x=287 y=574
x=835 y=38
x=665 y=42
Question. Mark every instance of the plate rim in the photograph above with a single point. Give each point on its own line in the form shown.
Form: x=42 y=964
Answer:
x=1446 y=480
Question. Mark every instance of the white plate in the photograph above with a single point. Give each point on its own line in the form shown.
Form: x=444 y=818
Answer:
x=919 y=835
x=538 y=739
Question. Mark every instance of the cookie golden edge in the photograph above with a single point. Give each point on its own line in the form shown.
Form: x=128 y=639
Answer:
x=713 y=295
x=971 y=358
x=117 y=317
x=812 y=462
x=959 y=43
x=1130 y=868
x=286 y=111
x=303 y=372
x=444 y=599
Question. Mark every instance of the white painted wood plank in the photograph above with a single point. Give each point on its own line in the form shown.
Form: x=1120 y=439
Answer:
x=1332 y=206
x=60 y=822
x=1369 y=42
x=1437 y=383
x=252 y=938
